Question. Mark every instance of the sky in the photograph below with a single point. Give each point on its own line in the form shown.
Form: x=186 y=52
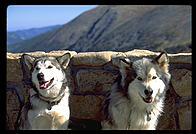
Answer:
x=20 y=17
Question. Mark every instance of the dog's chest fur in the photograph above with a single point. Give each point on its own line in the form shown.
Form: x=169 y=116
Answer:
x=143 y=118
x=133 y=115
x=56 y=118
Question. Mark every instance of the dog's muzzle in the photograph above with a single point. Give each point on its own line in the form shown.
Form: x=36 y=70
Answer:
x=42 y=83
x=148 y=98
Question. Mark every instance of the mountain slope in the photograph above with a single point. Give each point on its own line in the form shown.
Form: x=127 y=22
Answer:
x=164 y=28
x=119 y=28
x=12 y=37
x=20 y=35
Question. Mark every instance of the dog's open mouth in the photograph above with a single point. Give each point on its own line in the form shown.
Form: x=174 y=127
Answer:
x=147 y=99
x=45 y=84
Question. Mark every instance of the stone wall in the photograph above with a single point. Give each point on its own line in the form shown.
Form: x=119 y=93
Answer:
x=91 y=74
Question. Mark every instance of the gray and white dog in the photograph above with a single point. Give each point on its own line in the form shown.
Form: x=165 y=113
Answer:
x=48 y=106
x=136 y=99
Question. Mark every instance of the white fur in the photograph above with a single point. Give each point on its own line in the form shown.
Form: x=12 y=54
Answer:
x=131 y=113
x=39 y=115
x=48 y=75
x=40 y=110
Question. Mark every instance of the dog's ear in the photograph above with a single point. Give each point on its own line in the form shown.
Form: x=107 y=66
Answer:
x=125 y=65
x=28 y=60
x=64 y=60
x=128 y=74
x=125 y=62
x=162 y=60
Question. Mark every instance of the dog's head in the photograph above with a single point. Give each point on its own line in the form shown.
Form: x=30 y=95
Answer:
x=47 y=73
x=152 y=77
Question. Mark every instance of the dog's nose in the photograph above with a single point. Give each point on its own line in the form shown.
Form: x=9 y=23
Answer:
x=148 y=92
x=40 y=76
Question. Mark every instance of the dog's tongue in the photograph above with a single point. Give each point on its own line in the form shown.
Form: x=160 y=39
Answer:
x=44 y=85
x=149 y=99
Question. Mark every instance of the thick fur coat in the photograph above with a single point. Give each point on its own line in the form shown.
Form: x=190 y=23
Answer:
x=136 y=99
x=48 y=106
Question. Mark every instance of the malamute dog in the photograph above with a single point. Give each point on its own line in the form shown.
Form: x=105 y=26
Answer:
x=136 y=99
x=48 y=106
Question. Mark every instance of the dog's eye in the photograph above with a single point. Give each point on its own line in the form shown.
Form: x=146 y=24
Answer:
x=139 y=78
x=154 y=77
x=37 y=68
x=49 y=67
